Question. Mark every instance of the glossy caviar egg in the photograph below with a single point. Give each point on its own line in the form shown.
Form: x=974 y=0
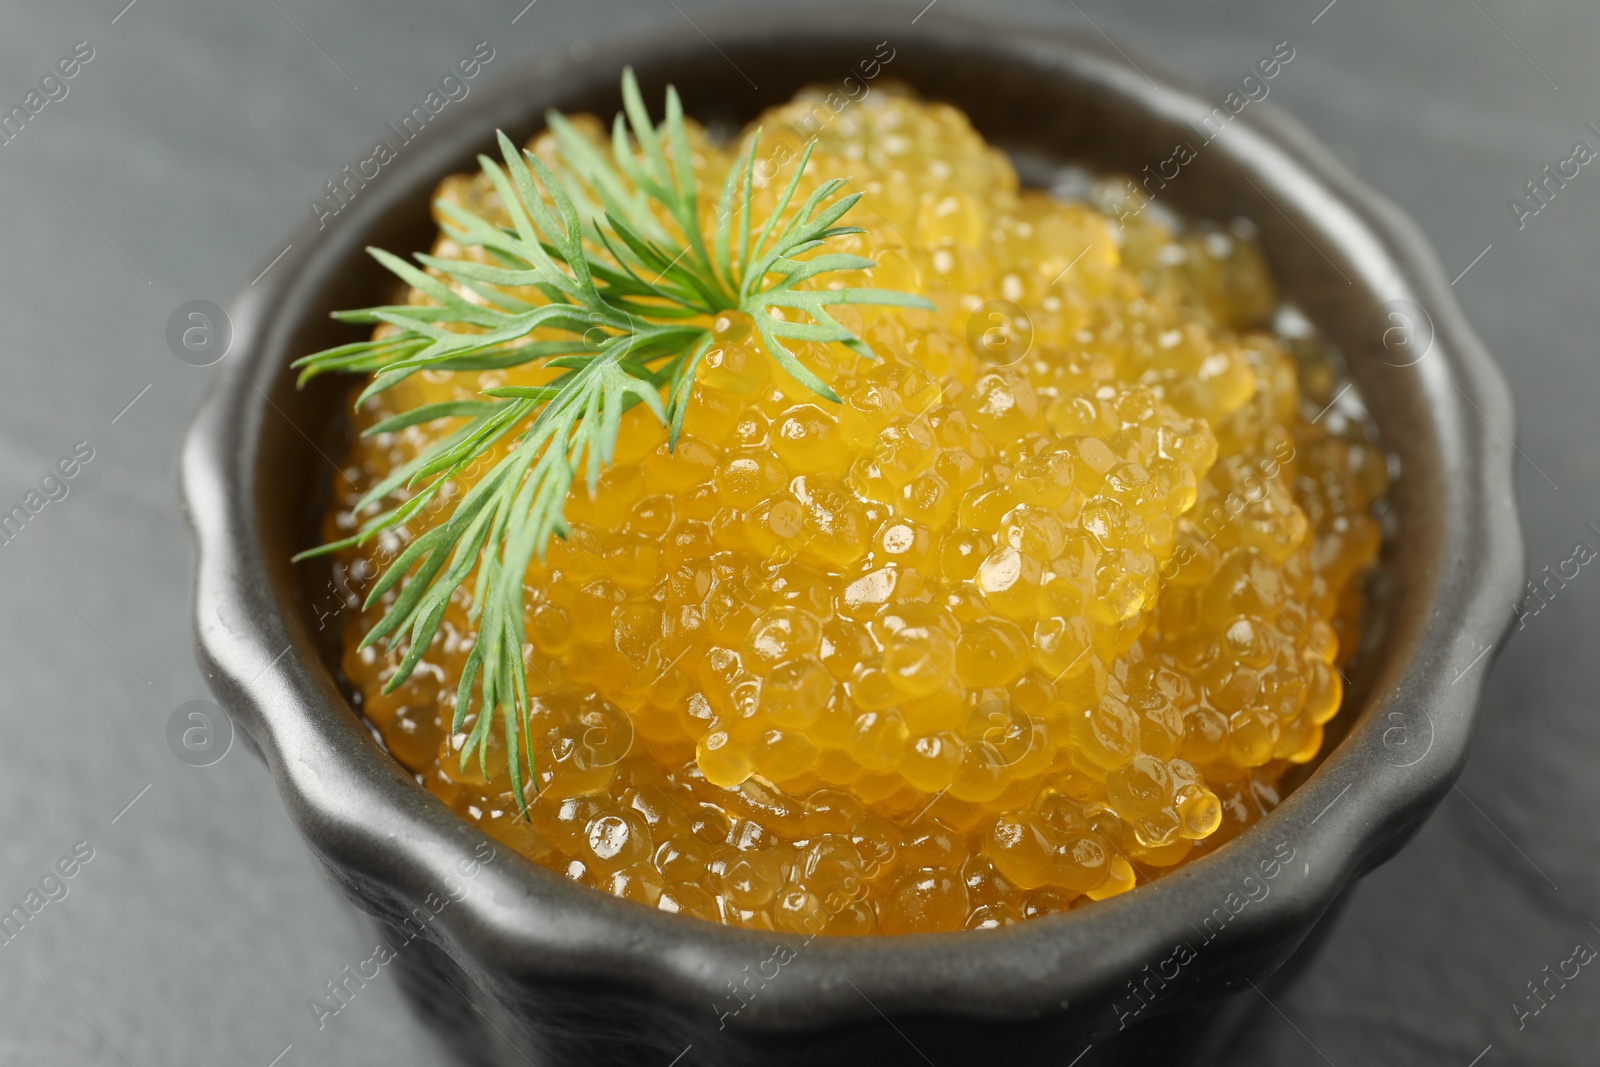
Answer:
x=1004 y=631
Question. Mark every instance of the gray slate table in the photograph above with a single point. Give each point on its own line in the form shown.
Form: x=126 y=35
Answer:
x=173 y=168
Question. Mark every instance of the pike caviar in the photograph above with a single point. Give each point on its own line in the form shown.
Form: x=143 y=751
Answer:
x=1044 y=607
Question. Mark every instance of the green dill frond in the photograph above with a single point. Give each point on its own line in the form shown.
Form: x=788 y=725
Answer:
x=625 y=295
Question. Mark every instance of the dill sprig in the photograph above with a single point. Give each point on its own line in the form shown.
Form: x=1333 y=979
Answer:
x=627 y=297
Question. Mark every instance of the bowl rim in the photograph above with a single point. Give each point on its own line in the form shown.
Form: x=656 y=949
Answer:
x=521 y=924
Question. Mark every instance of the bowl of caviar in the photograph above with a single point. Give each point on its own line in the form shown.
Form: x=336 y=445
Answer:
x=860 y=542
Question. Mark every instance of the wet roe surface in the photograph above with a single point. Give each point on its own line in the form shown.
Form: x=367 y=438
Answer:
x=1044 y=607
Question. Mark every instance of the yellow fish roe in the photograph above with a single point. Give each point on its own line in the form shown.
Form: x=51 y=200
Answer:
x=1044 y=607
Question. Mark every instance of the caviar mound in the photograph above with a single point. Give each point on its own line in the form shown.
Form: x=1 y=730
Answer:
x=1045 y=605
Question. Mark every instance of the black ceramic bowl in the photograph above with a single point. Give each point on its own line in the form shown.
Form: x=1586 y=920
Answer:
x=558 y=973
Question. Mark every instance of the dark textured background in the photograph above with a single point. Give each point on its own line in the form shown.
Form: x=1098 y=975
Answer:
x=191 y=144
